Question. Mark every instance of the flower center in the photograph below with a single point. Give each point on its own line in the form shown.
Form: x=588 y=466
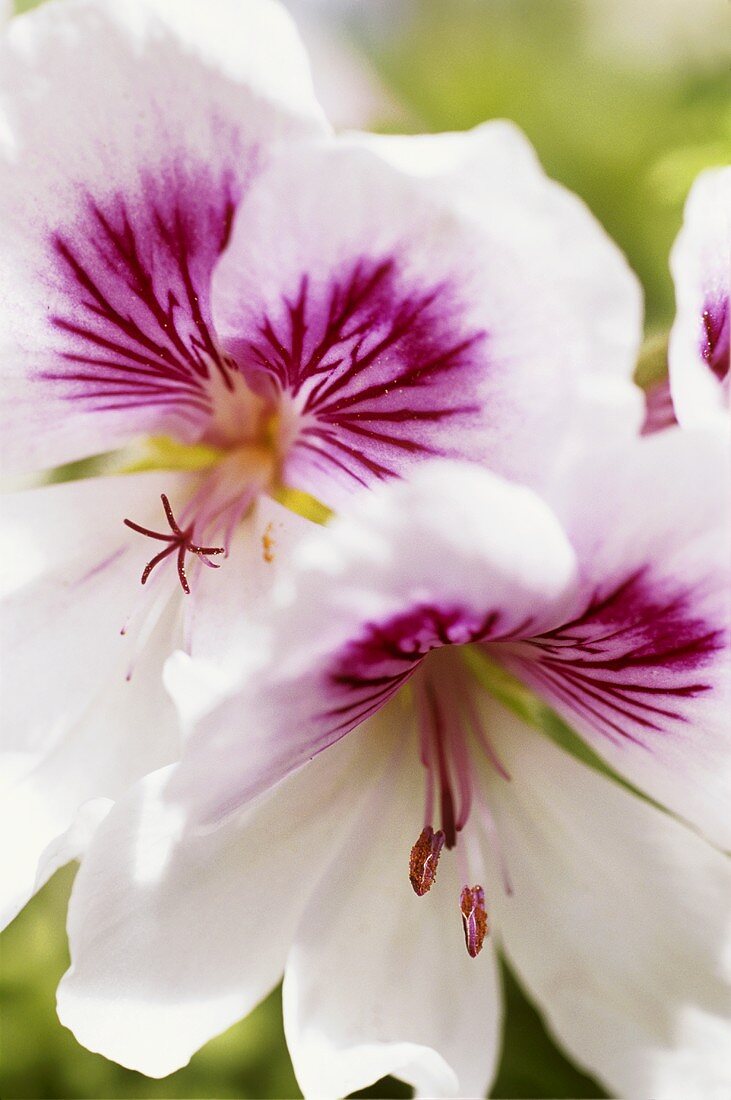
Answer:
x=428 y=657
x=224 y=486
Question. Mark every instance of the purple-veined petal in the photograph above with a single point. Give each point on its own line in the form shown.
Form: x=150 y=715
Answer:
x=130 y=132
x=699 y=353
x=176 y=934
x=397 y=315
x=619 y=922
x=378 y=980
x=453 y=555
x=496 y=159
x=641 y=667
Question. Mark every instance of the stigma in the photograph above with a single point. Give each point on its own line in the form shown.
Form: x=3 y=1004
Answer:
x=179 y=540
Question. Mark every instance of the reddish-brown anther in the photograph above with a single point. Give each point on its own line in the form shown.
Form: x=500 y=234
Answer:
x=424 y=859
x=180 y=539
x=474 y=918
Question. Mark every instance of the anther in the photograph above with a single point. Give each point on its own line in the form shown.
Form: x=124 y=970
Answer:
x=424 y=859
x=181 y=540
x=474 y=918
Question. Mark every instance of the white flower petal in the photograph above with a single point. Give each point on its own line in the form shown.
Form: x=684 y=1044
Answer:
x=73 y=843
x=76 y=584
x=229 y=620
x=74 y=726
x=496 y=162
x=619 y=923
x=641 y=666
x=378 y=981
x=175 y=934
x=453 y=553
x=465 y=311
x=128 y=134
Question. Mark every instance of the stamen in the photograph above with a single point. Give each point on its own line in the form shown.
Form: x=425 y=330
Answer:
x=180 y=540
x=458 y=754
x=446 y=799
x=424 y=859
x=449 y=730
x=474 y=918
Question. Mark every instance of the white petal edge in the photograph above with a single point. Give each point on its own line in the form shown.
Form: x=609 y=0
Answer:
x=700 y=263
x=176 y=934
x=619 y=924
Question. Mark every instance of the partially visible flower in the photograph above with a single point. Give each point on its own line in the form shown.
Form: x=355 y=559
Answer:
x=364 y=766
x=347 y=84
x=700 y=354
x=196 y=258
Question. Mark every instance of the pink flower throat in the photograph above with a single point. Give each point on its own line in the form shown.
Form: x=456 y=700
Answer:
x=421 y=652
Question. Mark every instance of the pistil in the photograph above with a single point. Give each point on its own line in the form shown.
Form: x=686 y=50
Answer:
x=180 y=540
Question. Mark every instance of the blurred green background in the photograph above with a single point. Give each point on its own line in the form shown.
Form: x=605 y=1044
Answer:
x=625 y=103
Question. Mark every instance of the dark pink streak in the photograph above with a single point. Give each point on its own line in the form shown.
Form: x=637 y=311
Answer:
x=379 y=368
x=135 y=271
x=629 y=665
x=372 y=667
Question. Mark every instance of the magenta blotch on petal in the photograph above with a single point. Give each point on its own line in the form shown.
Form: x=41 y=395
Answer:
x=135 y=270
x=629 y=662
x=371 y=363
x=372 y=667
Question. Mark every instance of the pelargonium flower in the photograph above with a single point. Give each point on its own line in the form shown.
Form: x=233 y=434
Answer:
x=699 y=354
x=362 y=815
x=129 y=134
x=189 y=256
